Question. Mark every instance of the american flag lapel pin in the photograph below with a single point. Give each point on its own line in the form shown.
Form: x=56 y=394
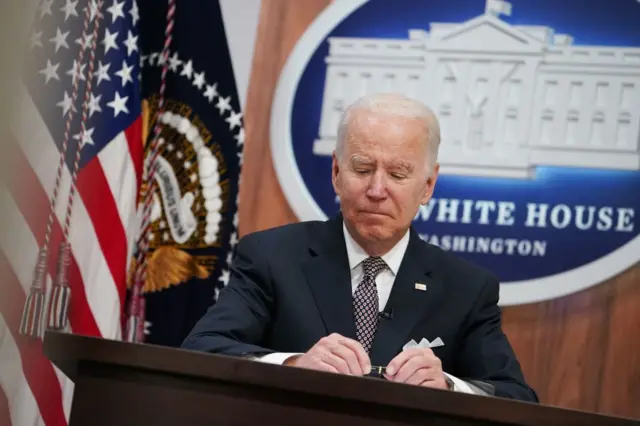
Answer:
x=420 y=286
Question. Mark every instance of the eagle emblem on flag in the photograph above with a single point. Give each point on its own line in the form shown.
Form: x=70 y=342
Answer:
x=188 y=200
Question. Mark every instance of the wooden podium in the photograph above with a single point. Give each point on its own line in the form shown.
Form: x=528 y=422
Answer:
x=119 y=383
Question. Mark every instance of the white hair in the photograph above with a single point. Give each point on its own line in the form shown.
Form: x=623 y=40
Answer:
x=398 y=105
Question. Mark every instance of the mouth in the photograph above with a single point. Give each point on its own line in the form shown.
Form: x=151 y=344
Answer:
x=370 y=213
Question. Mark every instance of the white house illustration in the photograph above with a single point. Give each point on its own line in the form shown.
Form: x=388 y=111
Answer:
x=508 y=98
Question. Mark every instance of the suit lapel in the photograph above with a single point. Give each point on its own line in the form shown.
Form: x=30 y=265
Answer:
x=409 y=304
x=329 y=277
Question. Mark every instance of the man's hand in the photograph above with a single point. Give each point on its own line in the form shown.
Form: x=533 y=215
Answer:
x=335 y=354
x=417 y=366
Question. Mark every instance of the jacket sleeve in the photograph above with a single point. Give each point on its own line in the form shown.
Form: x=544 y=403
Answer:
x=237 y=322
x=486 y=358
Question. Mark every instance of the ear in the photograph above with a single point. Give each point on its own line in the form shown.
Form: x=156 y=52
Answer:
x=430 y=185
x=335 y=170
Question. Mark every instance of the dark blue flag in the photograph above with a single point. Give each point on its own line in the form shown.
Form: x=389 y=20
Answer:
x=194 y=218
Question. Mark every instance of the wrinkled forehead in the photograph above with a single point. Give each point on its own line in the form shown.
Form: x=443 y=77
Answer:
x=385 y=130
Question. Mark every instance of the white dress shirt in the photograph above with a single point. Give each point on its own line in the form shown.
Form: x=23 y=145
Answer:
x=384 y=284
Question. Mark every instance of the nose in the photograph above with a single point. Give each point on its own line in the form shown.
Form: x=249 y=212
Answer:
x=377 y=189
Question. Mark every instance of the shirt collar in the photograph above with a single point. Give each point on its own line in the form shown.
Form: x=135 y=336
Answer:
x=393 y=258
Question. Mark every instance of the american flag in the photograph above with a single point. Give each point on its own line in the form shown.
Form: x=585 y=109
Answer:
x=103 y=222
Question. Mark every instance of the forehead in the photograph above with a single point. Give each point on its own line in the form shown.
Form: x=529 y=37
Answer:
x=385 y=132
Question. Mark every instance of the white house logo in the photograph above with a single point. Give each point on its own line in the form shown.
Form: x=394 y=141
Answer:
x=539 y=105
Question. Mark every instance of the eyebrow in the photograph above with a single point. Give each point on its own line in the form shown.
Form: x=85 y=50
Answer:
x=361 y=160
x=404 y=165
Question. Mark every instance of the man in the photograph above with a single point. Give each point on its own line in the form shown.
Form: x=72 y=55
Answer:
x=351 y=292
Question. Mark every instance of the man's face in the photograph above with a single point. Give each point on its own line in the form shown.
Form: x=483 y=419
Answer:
x=382 y=176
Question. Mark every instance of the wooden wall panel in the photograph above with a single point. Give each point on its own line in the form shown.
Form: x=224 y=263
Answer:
x=581 y=351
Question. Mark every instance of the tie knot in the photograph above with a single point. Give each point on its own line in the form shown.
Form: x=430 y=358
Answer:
x=373 y=266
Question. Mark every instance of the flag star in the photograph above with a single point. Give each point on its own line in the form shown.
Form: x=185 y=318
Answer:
x=93 y=10
x=60 y=39
x=229 y=257
x=131 y=42
x=152 y=58
x=51 y=71
x=225 y=276
x=235 y=219
x=234 y=239
x=65 y=104
x=116 y=10
x=187 y=69
x=69 y=9
x=73 y=72
x=234 y=120
x=45 y=8
x=174 y=62
x=223 y=104
x=109 y=40
x=216 y=293
x=211 y=92
x=240 y=158
x=198 y=80
x=85 y=136
x=35 y=39
x=161 y=59
x=103 y=72
x=87 y=40
x=134 y=12
x=94 y=104
x=125 y=73
x=240 y=136
x=118 y=104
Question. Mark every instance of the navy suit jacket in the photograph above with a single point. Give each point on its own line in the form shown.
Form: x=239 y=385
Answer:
x=290 y=286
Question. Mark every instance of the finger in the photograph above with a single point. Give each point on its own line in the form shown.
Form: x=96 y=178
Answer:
x=398 y=361
x=422 y=375
x=349 y=356
x=335 y=361
x=362 y=356
x=435 y=383
x=407 y=369
x=323 y=366
x=422 y=359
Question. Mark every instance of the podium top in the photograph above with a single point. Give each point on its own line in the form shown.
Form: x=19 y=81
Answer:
x=69 y=352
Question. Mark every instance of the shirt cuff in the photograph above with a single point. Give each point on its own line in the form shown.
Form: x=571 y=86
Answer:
x=276 y=357
x=460 y=385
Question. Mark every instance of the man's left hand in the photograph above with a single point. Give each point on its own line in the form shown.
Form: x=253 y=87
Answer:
x=417 y=366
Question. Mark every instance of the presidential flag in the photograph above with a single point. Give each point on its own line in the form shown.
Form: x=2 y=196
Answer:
x=76 y=156
x=193 y=218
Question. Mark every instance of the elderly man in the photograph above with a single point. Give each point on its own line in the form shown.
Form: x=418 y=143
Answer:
x=345 y=294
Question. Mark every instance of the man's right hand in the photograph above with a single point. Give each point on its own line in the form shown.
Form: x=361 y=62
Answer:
x=335 y=354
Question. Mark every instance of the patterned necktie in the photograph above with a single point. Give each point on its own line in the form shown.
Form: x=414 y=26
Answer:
x=365 y=302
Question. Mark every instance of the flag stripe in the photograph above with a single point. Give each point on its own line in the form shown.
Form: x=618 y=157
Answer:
x=37 y=368
x=5 y=419
x=100 y=287
x=121 y=176
x=32 y=206
x=23 y=409
x=93 y=187
x=21 y=248
x=136 y=150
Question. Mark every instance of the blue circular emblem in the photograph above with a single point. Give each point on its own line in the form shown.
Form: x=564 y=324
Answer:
x=539 y=107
